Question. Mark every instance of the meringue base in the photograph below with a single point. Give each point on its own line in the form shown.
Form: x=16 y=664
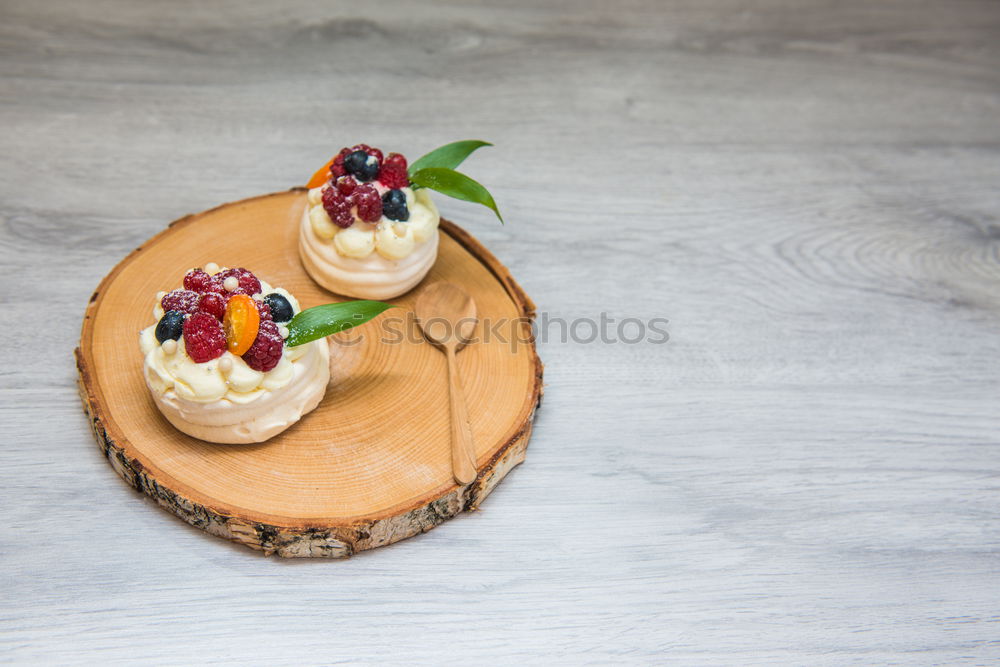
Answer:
x=373 y=277
x=223 y=421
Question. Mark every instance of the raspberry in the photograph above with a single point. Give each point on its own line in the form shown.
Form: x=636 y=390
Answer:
x=396 y=160
x=265 y=353
x=338 y=208
x=216 y=288
x=346 y=185
x=204 y=338
x=250 y=283
x=374 y=152
x=247 y=280
x=394 y=176
x=197 y=280
x=226 y=273
x=181 y=300
x=368 y=201
x=213 y=303
x=263 y=309
x=337 y=166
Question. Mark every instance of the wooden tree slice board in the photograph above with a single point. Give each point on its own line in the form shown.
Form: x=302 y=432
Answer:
x=372 y=464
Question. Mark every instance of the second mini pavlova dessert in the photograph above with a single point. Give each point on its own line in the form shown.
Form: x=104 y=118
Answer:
x=231 y=359
x=369 y=229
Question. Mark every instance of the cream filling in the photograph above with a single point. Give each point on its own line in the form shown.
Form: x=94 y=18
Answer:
x=226 y=401
x=265 y=415
x=368 y=261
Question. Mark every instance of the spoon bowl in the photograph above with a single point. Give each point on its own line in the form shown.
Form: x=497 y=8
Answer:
x=447 y=315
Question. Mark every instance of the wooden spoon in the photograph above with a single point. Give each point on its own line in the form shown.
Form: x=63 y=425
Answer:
x=447 y=315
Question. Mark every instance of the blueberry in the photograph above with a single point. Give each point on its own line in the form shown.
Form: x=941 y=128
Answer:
x=362 y=166
x=281 y=310
x=170 y=326
x=394 y=205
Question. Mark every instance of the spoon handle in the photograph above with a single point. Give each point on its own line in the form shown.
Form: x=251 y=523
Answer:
x=463 y=457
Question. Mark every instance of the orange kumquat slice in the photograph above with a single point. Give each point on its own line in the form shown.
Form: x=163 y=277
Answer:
x=321 y=175
x=241 y=323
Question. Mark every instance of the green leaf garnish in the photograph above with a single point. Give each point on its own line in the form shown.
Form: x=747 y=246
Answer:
x=454 y=184
x=448 y=156
x=321 y=321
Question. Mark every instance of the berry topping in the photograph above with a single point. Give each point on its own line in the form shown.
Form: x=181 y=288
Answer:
x=336 y=167
x=181 y=300
x=213 y=303
x=394 y=205
x=263 y=309
x=395 y=160
x=197 y=280
x=170 y=326
x=246 y=280
x=346 y=185
x=369 y=204
x=374 y=152
x=265 y=353
x=393 y=174
x=337 y=207
x=281 y=309
x=362 y=166
x=241 y=323
x=337 y=164
x=204 y=338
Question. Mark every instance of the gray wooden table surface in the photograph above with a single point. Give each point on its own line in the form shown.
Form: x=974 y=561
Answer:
x=806 y=473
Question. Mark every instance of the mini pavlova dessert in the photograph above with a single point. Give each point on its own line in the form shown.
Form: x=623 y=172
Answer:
x=232 y=359
x=369 y=229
